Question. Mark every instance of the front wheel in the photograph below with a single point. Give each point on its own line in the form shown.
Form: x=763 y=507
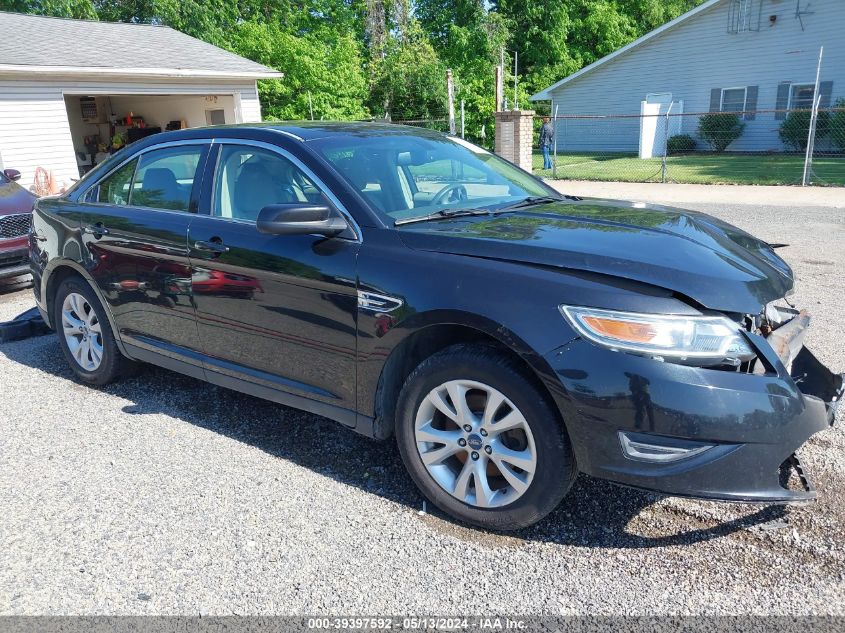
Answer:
x=481 y=441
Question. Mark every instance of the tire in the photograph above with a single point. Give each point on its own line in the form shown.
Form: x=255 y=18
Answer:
x=535 y=440
x=97 y=332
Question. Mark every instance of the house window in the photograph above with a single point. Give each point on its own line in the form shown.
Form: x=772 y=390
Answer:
x=801 y=96
x=733 y=99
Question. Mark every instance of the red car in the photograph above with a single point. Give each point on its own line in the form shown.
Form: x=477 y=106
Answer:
x=15 y=220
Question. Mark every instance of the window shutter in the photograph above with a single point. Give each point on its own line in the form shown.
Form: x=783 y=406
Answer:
x=751 y=102
x=825 y=91
x=715 y=99
x=783 y=100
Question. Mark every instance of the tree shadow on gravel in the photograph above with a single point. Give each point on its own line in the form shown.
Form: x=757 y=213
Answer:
x=594 y=514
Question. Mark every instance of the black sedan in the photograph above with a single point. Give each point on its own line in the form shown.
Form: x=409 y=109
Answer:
x=406 y=283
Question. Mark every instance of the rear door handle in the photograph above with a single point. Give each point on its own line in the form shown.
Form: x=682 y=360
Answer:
x=97 y=230
x=211 y=246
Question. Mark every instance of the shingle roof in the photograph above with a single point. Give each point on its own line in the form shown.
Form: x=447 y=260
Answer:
x=31 y=43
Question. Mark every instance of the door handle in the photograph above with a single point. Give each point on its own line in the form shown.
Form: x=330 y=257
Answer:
x=211 y=246
x=97 y=230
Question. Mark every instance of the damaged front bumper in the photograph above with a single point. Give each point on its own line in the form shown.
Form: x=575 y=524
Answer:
x=699 y=432
x=785 y=330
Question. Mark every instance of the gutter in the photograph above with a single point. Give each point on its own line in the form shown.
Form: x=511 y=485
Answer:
x=95 y=71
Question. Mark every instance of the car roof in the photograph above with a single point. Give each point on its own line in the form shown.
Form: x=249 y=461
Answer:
x=300 y=130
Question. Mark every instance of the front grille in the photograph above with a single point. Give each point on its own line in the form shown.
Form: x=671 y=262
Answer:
x=12 y=226
x=13 y=261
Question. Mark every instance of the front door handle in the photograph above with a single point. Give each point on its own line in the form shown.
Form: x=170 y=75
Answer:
x=97 y=230
x=211 y=246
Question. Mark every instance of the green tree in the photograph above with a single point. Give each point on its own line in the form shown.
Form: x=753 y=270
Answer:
x=327 y=65
x=81 y=9
x=555 y=39
x=410 y=82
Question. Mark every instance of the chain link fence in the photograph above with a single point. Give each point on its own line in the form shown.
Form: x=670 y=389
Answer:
x=760 y=147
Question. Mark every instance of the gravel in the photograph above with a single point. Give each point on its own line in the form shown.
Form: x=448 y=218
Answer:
x=165 y=495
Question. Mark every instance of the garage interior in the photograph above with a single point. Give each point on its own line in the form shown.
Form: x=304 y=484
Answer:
x=102 y=124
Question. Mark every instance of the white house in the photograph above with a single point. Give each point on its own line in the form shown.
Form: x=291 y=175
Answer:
x=67 y=86
x=757 y=57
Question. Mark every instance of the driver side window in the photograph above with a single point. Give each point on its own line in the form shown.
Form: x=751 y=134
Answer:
x=249 y=178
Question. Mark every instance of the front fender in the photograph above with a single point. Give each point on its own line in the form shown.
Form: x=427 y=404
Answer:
x=385 y=360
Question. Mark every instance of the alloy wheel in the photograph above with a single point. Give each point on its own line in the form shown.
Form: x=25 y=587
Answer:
x=82 y=331
x=475 y=443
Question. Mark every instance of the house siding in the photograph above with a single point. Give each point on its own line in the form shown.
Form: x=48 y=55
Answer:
x=34 y=127
x=694 y=57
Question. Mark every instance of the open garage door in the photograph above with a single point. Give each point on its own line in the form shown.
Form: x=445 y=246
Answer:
x=102 y=124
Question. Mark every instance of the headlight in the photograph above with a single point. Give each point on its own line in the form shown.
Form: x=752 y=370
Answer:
x=692 y=340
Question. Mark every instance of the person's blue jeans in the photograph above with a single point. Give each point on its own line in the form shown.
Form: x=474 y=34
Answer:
x=547 y=160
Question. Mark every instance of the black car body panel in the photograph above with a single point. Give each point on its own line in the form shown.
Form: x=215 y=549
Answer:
x=325 y=324
x=718 y=266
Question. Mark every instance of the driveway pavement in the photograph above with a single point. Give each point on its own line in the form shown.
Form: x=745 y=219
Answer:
x=670 y=193
x=162 y=494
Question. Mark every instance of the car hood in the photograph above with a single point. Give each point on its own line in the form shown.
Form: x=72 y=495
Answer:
x=14 y=199
x=693 y=254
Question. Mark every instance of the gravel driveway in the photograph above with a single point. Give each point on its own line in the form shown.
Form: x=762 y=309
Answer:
x=162 y=494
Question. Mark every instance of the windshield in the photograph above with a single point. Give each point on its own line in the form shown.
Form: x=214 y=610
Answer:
x=404 y=176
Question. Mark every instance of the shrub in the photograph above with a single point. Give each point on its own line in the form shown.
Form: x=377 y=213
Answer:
x=796 y=127
x=720 y=129
x=837 y=125
x=680 y=143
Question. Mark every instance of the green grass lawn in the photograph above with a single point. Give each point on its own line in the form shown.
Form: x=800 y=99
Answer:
x=709 y=169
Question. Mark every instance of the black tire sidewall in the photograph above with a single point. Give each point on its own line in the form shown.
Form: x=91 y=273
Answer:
x=109 y=368
x=555 y=464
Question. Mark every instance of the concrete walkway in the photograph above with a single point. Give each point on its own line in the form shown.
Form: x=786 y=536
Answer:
x=668 y=193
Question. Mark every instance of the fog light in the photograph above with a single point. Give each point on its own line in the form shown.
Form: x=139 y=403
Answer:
x=661 y=450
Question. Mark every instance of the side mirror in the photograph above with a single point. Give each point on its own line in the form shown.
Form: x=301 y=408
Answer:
x=300 y=218
x=12 y=174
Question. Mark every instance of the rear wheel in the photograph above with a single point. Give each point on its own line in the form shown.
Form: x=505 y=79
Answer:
x=85 y=335
x=481 y=441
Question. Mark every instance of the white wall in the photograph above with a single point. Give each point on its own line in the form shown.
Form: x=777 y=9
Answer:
x=34 y=123
x=699 y=55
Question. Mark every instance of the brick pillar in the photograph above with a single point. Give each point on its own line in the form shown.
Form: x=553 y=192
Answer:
x=514 y=136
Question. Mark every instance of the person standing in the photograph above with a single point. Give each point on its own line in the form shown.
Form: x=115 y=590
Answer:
x=547 y=137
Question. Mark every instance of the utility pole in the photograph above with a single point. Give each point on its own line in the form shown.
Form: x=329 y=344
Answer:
x=450 y=91
x=498 y=90
x=463 y=129
x=814 y=119
x=500 y=81
x=515 y=68
x=310 y=105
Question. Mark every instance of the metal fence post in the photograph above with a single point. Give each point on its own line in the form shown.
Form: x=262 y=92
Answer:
x=665 y=144
x=814 y=117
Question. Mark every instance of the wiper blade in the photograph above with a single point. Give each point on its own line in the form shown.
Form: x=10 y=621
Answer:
x=443 y=214
x=530 y=201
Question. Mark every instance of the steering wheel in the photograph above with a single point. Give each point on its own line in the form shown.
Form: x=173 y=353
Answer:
x=455 y=192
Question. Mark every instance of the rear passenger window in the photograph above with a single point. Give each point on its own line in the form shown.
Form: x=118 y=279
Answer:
x=165 y=178
x=115 y=188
